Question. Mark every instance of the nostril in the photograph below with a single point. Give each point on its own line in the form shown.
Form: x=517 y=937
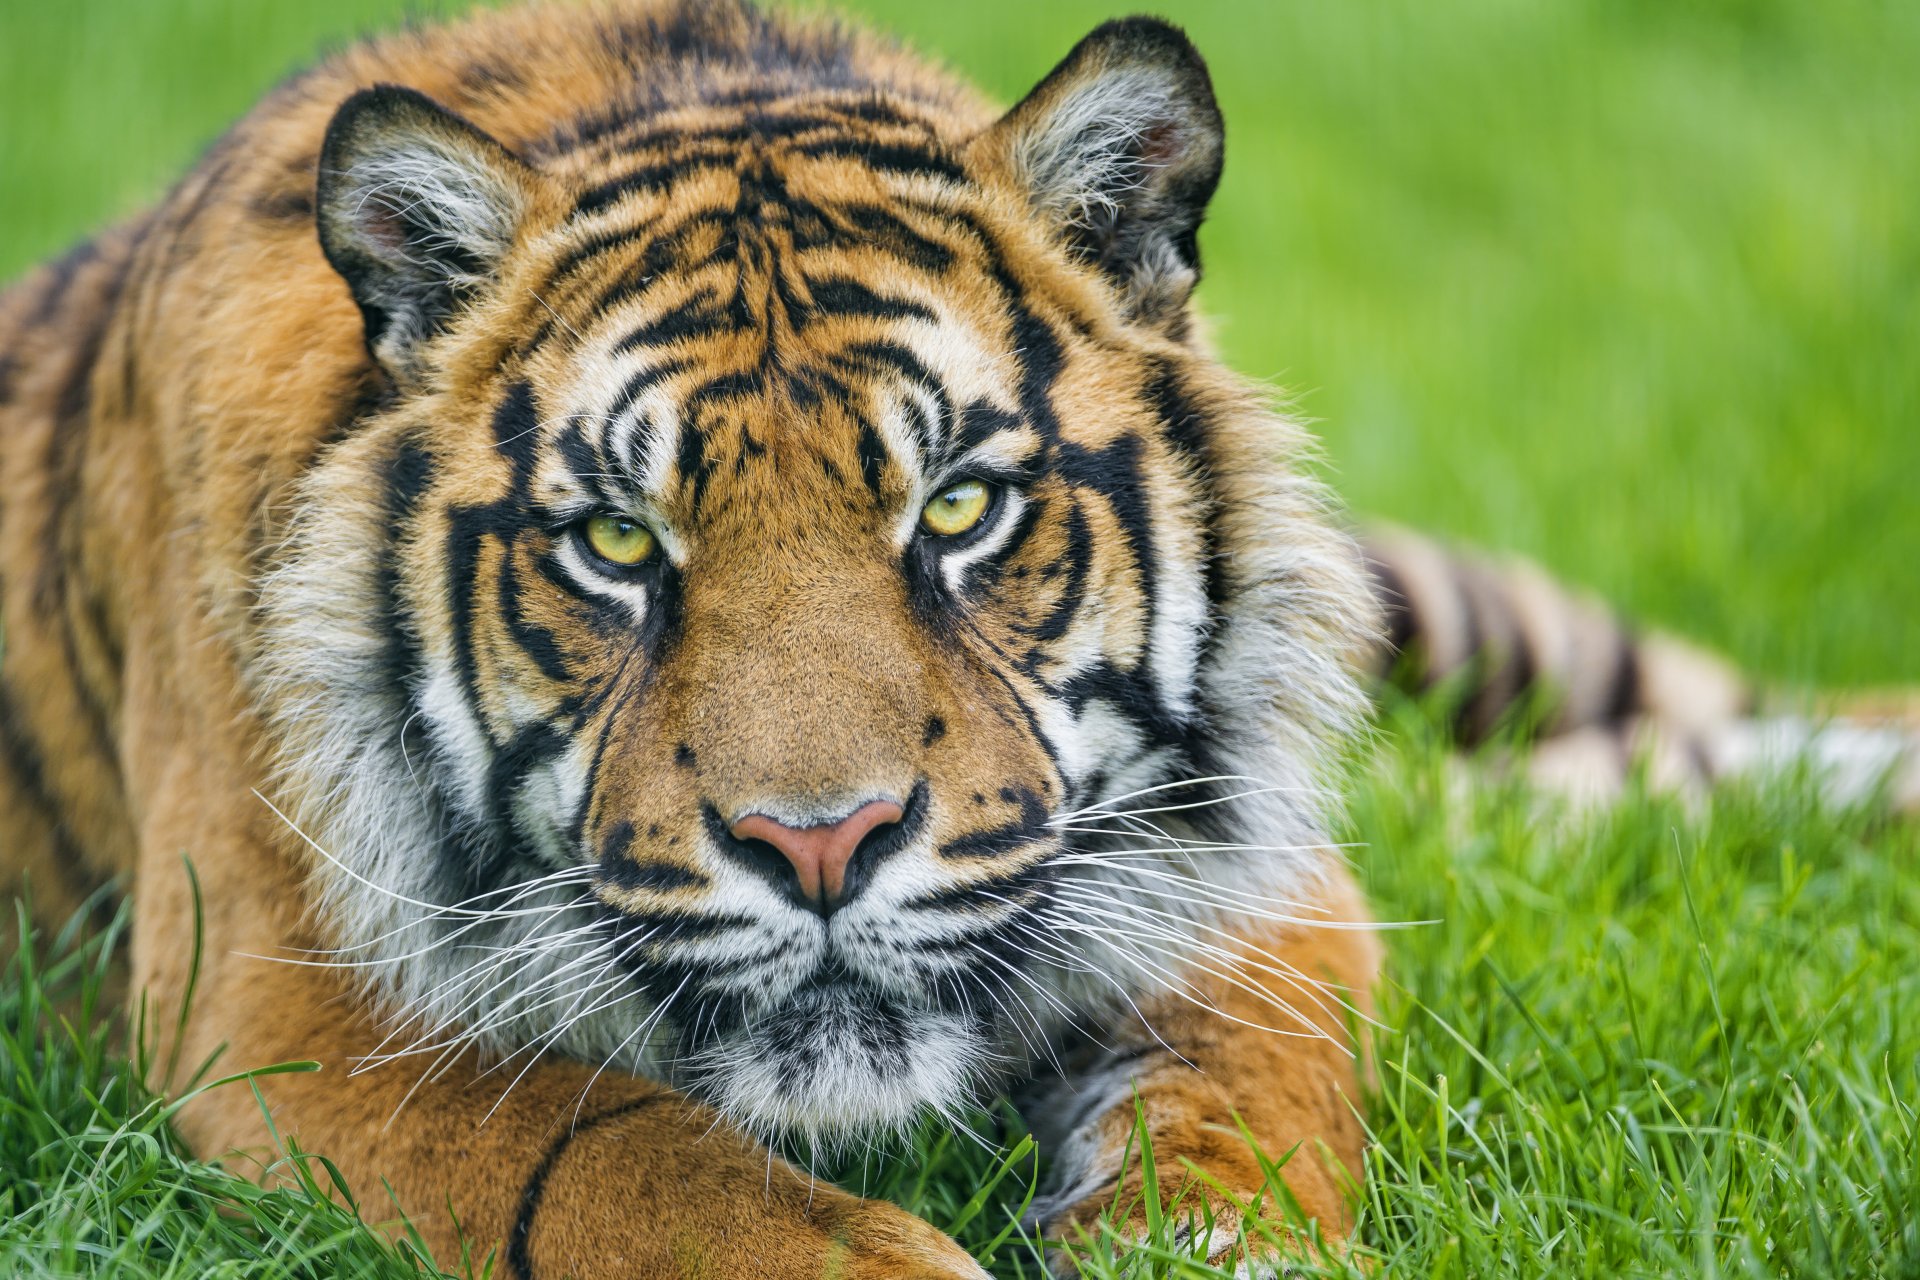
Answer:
x=820 y=865
x=754 y=842
x=884 y=839
x=878 y=834
x=770 y=861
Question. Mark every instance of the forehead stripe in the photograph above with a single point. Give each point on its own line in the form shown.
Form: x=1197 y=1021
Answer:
x=841 y=296
x=648 y=178
x=516 y=428
x=701 y=317
x=644 y=381
x=886 y=157
x=872 y=452
x=764 y=122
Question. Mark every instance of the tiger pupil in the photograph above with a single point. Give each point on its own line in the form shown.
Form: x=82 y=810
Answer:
x=618 y=540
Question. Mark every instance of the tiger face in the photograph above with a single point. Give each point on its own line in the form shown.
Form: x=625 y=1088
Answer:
x=808 y=621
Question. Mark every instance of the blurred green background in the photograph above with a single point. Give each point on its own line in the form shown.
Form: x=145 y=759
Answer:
x=1627 y=285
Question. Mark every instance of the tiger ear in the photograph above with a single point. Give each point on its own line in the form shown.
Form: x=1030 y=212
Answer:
x=1120 y=147
x=416 y=208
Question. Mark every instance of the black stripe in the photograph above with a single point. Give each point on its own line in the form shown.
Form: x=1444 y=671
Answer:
x=769 y=122
x=878 y=228
x=520 y=1238
x=530 y=747
x=979 y=421
x=65 y=462
x=408 y=474
x=987 y=572
x=1184 y=426
x=888 y=157
x=872 y=452
x=1028 y=828
x=1623 y=697
x=644 y=381
x=1115 y=472
x=700 y=317
x=592 y=247
x=536 y=641
x=620 y=870
x=1187 y=429
x=58 y=280
x=886 y=357
x=650 y=876
x=516 y=429
x=22 y=758
x=1474 y=654
x=690 y=459
x=467 y=528
x=726 y=386
x=650 y=178
x=1396 y=608
x=838 y=296
x=1079 y=564
x=283 y=204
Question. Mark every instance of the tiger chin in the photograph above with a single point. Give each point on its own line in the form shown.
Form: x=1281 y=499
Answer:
x=684 y=586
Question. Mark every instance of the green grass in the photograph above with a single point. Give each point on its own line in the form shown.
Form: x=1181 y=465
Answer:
x=93 y=1180
x=1627 y=285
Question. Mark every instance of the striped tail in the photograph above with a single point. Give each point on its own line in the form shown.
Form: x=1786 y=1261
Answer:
x=1508 y=648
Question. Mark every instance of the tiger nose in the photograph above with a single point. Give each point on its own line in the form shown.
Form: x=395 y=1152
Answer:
x=819 y=855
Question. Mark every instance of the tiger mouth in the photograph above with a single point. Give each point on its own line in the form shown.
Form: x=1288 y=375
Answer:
x=837 y=1059
x=831 y=1001
x=800 y=1028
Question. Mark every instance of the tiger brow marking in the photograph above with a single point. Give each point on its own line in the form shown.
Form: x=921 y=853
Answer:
x=630 y=130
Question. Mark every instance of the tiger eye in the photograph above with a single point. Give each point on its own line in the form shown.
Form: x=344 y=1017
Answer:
x=618 y=540
x=956 y=509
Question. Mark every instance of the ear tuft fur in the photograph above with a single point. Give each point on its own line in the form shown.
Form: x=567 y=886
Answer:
x=1121 y=147
x=416 y=209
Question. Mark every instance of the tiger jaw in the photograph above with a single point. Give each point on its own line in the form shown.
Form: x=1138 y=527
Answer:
x=837 y=1061
x=832 y=1028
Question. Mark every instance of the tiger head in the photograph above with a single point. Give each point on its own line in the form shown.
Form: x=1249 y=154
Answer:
x=808 y=619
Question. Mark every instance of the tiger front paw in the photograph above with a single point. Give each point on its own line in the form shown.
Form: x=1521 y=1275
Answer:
x=875 y=1240
x=714 y=1211
x=1238 y=1226
x=839 y=1236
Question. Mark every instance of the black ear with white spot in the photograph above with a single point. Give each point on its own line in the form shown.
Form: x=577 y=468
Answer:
x=1121 y=147
x=416 y=209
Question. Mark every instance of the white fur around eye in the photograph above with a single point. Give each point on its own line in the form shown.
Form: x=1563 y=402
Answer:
x=999 y=454
x=1000 y=524
x=593 y=581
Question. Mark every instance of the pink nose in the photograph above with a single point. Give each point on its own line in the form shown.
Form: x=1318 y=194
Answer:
x=820 y=854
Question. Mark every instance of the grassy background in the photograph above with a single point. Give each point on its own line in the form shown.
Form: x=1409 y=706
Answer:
x=1631 y=286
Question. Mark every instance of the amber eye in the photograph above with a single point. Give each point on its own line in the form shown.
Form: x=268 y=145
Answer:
x=618 y=540
x=956 y=508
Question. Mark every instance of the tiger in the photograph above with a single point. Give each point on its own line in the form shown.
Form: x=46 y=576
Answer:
x=660 y=587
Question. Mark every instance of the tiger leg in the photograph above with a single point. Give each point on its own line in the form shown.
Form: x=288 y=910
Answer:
x=562 y=1173
x=1265 y=1040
